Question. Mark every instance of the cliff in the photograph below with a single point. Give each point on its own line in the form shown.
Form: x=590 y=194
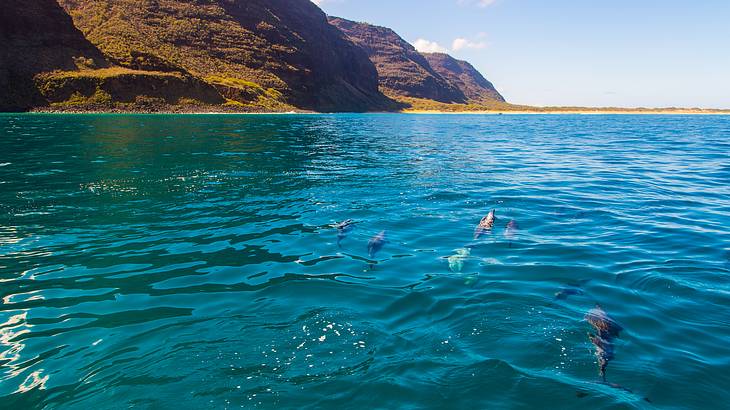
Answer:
x=37 y=36
x=216 y=55
x=465 y=77
x=403 y=71
x=408 y=75
x=285 y=46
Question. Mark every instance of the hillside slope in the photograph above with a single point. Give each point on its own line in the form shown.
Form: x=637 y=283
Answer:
x=403 y=71
x=45 y=62
x=283 y=45
x=465 y=77
x=37 y=36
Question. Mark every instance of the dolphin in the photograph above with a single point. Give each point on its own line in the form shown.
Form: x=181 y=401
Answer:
x=376 y=244
x=485 y=225
x=511 y=230
x=606 y=330
x=344 y=228
x=606 y=327
x=566 y=292
x=582 y=394
x=456 y=262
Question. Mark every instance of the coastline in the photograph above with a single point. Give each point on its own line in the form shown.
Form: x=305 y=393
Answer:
x=408 y=112
x=414 y=107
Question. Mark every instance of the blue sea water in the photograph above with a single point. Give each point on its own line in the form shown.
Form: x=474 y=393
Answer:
x=169 y=262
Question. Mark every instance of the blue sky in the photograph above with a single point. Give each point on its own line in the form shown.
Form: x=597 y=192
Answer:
x=573 y=52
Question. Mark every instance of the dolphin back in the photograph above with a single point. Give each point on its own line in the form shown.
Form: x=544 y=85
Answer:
x=607 y=329
x=376 y=244
x=485 y=225
x=604 y=324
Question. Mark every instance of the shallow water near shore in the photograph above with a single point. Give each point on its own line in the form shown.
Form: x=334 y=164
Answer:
x=179 y=261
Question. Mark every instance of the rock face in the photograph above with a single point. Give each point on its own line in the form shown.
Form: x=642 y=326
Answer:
x=403 y=71
x=37 y=36
x=45 y=61
x=406 y=72
x=283 y=45
x=464 y=76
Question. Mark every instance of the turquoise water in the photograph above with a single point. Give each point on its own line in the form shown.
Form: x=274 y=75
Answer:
x=166 y=262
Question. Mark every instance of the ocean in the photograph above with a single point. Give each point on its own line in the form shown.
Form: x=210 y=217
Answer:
x=196 y=261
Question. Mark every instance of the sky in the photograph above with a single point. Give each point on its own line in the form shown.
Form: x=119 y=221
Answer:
x=620 y=53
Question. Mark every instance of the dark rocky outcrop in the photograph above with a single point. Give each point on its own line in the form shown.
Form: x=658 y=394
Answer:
x=37 y=36
x=45 y=61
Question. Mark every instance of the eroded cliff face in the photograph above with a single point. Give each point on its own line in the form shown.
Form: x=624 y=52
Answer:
x=403 y=71
x=283 y=45
x=37 y=36
x=463 y=75
x=46 y=62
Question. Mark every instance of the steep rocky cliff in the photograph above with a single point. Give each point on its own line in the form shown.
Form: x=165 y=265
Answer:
x=464 y=76
x=46 y=62
x=37 y=36
x=403 y=71
x=283 y=45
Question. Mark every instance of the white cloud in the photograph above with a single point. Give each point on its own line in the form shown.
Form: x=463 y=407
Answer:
x=463 y=44
x=425 y=46
x=478 y=3
x=320 y=3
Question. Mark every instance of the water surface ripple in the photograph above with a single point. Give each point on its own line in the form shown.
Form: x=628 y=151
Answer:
x=169 y=262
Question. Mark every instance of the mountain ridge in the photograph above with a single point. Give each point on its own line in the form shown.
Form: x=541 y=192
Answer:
x=211 y=55
x=464 y=76
x=405 y=72
x=402 y=70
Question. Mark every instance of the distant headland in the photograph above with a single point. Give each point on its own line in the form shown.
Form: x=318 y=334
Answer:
x=243 y=56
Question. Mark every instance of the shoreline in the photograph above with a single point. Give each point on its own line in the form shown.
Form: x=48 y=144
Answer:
x=406 y=112
x=210 y=110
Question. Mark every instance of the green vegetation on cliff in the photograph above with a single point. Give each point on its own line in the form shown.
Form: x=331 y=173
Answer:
x=119 y=87
x=248 y=95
